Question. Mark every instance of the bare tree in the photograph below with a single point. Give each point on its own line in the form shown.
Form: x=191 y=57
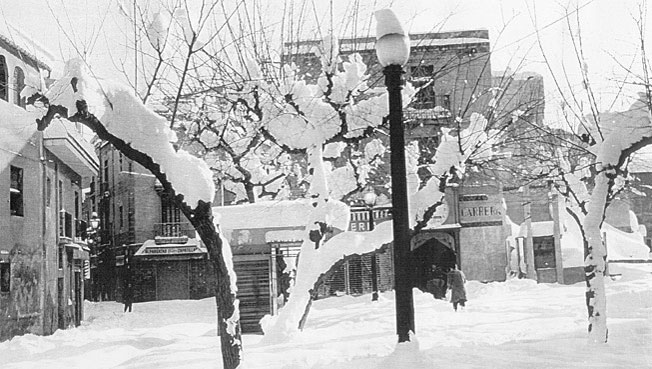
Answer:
x=587 y=161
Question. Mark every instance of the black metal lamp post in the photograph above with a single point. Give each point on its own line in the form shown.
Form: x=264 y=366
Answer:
x=393 y=50
x=370 y=200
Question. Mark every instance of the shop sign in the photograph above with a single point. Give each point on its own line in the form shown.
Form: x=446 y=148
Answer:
x=480 y=210
x=360 y=218
x=170 y=250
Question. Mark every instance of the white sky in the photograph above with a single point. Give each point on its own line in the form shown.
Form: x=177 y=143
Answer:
x=608 y=30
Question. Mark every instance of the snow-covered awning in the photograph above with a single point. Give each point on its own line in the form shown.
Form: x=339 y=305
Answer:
x=190 y=248
x=274 y=214
x=78 y=251
x=284 y=236
x=539 y=229
x=442 y=227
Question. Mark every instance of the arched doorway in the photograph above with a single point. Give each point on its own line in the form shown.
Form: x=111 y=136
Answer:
x=431 y=253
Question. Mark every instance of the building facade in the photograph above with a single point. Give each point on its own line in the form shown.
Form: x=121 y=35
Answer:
x=43 y=249
x=142 y=240
x=452 y=71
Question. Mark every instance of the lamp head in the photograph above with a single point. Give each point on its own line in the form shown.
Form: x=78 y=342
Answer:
x=370 y=198
x=95 y=221
x=392 y=42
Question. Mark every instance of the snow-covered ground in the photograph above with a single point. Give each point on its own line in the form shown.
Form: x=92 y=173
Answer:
x=515 y=324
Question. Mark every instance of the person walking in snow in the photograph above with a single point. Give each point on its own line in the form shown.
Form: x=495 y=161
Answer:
x=456 y=280
x=128 y=296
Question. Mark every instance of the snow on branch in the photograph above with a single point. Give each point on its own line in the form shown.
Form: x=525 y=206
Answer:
x=124 y=116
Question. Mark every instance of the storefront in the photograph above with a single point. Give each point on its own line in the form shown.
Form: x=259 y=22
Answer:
x=72 y=257
x=169 y=268
x=482 y=252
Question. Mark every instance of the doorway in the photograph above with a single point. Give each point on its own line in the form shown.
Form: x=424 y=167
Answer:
x=431 y=253
x=172 y=282
x=78 y=298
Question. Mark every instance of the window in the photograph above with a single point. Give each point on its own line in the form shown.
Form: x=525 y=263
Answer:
x=61 y=257
x=171 y=216
x=106 y=170
x=120 y=161
x=48 y=191
x=60 y=196
x=76 y=204
x=4 y=79
x=16 y=191
x=121 y=211
x=422 y=71
x=19 y=84
x=5 y=277
x=444 y=101
x=425 y=98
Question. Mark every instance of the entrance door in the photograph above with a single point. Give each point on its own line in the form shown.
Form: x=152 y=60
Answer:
x=544 y=259
x=431 y=253
x=61 y=304
x=253 y=290
x=78 y=298
x=172 y=282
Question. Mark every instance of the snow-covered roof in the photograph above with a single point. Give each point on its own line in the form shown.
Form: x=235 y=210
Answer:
x=441 y=39
x=272 y=214
x=124 y=116
x=68 y=145
x=25 y=46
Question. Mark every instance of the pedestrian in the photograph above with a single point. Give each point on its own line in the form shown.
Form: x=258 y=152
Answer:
x=436 y=284
x=128 y=296
x=456 y=280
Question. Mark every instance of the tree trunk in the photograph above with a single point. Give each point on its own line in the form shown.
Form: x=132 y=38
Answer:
x=228 y=320
x=596 y=301
x=200 y=217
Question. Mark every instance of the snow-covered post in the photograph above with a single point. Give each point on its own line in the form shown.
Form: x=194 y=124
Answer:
x=117 y=116
x=393 y=50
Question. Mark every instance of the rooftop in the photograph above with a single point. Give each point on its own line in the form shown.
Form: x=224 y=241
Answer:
x=417 y=40
x=24 y=47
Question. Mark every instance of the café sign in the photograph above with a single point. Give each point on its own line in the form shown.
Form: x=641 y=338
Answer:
x=480 y=210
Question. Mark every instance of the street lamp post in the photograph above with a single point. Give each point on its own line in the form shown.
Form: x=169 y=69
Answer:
x=370 y=201
x=393 y=50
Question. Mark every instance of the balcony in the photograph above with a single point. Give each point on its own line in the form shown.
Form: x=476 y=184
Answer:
x=436 y=113
x=177 y=232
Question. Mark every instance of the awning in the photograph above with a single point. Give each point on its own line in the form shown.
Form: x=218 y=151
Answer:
x=441 y=227
x=191 y=248
x=539 y=229
x=80 y=252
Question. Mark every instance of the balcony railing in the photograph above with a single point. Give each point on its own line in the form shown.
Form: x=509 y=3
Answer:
x=435 y=113
x=177 y=229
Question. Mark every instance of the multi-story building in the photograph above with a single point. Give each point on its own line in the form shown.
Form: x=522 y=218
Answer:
x=453 y=73
x=42 y=248
x=143 y=238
